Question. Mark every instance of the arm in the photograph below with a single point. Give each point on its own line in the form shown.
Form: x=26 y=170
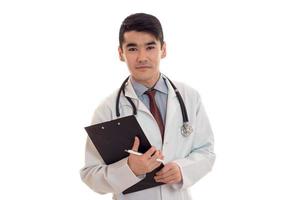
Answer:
x=102 y=178
x=201 y=158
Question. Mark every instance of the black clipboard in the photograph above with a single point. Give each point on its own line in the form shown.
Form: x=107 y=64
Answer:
x=111 y=138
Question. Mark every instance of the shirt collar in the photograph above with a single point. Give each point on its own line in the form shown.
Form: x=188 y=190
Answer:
x=140 y=89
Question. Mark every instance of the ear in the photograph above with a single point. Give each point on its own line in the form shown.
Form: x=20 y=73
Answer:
x=164 y=50
x=121 y=56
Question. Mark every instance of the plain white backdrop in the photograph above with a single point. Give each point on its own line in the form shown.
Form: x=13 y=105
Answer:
x=58 y=60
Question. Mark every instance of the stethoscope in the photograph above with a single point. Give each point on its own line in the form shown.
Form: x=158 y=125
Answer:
x=186 y=128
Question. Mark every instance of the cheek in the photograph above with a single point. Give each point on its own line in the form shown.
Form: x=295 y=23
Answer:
x=156 y=57
x=130 y=59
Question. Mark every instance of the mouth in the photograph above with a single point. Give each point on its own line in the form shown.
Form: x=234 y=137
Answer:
x=142 y=67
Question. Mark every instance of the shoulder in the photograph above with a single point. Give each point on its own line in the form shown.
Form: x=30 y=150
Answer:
x=191 y=98
x=187 y=92
x=104 y=110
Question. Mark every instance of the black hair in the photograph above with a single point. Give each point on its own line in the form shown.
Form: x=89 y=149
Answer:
x=141 y=22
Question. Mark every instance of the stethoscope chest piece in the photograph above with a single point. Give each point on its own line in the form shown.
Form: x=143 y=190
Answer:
x=186 y=129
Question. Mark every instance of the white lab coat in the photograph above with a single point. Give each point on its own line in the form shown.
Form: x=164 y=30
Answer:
x=194 y=154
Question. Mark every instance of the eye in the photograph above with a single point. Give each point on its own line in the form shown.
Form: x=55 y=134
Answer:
x=150 y=47
x=132 y=49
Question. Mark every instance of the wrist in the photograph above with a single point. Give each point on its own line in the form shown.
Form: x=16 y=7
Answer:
x=132 y=168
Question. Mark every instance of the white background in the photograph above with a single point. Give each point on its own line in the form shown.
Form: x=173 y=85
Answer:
x=59 y=59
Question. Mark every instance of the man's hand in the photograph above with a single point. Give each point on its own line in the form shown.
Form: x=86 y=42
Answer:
x=169 y=174
x=144 y=163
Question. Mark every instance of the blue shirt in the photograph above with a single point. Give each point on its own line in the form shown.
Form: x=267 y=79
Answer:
x=161 y=95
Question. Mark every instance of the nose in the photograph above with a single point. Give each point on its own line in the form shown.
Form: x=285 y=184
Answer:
x=142 y=56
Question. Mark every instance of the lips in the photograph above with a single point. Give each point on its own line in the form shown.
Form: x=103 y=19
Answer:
x=143 y=66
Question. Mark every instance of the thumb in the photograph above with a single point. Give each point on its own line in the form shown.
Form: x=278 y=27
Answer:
x=136 y=144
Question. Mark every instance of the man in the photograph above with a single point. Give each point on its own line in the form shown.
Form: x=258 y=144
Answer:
x=187 y=158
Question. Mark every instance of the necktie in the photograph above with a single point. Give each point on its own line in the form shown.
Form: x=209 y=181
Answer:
x=155 y=111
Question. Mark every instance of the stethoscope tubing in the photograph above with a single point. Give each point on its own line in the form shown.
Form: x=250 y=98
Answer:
x=180 y=100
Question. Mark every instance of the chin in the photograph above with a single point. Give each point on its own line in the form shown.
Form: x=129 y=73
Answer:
x=142 y=77
x=145 y=78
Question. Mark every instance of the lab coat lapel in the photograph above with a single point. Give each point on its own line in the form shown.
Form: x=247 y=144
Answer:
x=148 y=128
x=129 y=92
x=173 y=110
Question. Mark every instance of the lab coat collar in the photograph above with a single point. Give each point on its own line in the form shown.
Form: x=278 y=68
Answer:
x=140 y=89
x=129 y=90
x=173 y=107
x=171 y=92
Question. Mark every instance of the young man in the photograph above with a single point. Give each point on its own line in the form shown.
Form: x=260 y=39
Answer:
x=187 y=157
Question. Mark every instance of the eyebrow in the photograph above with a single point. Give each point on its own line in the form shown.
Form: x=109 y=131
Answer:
x=131 y=45
x=151 y=43
x=135 y=45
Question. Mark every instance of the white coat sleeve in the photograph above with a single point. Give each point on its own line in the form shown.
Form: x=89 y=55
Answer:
x=201 y=158
x=102 y=178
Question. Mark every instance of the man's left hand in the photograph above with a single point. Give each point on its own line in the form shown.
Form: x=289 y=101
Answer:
x=169 y=174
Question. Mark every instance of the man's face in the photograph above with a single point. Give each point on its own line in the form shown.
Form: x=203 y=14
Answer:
x=142 y=53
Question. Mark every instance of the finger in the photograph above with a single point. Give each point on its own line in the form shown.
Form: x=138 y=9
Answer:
x=167 y=178
x=161 y=156
x=166 y=168
x=154 y=166
x=150 y=151
x=136 y=144
x=152 y=162
x=155 y=156
x=167 y=174
x=163 y=174
x=173 y=181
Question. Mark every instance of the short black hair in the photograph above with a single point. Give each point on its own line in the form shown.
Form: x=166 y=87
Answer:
x=141 y=22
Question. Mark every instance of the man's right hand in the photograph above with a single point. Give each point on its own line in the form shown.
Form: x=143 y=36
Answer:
x=145 y=163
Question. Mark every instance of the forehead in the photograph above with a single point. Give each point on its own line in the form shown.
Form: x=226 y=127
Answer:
x=138 y=38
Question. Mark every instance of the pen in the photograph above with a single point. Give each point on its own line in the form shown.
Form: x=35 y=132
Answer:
x=139 y=154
